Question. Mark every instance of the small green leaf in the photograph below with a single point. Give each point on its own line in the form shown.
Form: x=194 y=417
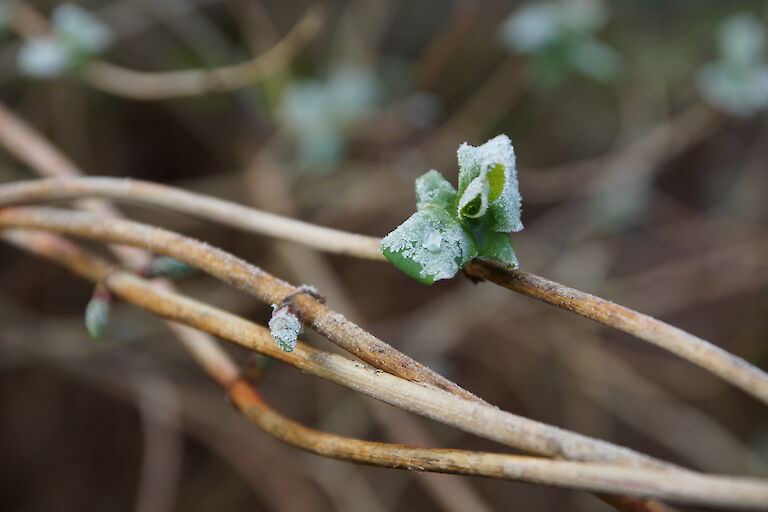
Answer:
x=432 y=189
x=493 y=163
x=163 y=266
x=429 y=246
x=473 y=202
x=492 y=245
x=497 y=179
x=285 y=327
x=97 y=312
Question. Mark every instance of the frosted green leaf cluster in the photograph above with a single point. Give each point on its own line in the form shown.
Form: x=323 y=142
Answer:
x=738 y=81
x=559 y=35
x=76 y=36
x=452 y=227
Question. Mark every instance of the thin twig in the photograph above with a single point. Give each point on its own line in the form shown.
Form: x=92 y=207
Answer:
x=683 y=486
x=478 y=418
x=731 y=368
x=142 y=85
x=240 y=274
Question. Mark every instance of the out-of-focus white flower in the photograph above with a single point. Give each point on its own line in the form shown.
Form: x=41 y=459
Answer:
x=43 y=57
x=738 y=81
x=741 y=92
x=594 y=59
x=561 y=32
x=319 y=114
x=81 y=28
x=531 y=27
x=76 y=35
x=742 y=39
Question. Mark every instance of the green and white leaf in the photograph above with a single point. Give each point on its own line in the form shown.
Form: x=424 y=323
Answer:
x=473 y=203
x=429 y=246
x=432 y=189
x=285 y=328
x=493 y=163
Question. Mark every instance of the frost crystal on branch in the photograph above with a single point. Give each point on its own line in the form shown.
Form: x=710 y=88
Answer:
x=285 y=326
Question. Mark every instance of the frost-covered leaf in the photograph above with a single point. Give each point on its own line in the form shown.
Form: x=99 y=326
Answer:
x=473 y=202
x=432 y=189
x=496 y=246
x=285 y=327
x=97 y=312
x=79 y=28
x=429 y=246
x=493 y=164
x=43 y=57
x=492 y=245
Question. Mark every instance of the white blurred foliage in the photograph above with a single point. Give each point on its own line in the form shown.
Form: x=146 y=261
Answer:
x=43 y=57
x=76 y=34
x=319 y=114
x=541 y=24
x=566 y=24
x=738 y=81
x=81 y=28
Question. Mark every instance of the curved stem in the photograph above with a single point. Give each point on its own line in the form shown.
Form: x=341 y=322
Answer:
x=731 y=368
x=238 y=273
x=478 y=418
x=685 y=487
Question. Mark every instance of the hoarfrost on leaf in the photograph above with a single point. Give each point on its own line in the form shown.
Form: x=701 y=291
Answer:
x=494 y=163
x=450 y=228
x=474 y=200
x=429 y=246
x=285 y=327
x=433 y=189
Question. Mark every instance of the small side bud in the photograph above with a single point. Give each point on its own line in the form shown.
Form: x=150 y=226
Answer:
x=163 y=266
x=285 y=326
x=97 y=311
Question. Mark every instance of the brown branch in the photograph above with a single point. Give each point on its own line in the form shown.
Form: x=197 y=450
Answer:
x=142 y=85
x=733 y=369
x=238 y=273
x=471 y=416
x=683 y=486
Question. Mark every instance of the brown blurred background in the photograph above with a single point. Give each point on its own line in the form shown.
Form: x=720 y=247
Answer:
x=640 y=184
